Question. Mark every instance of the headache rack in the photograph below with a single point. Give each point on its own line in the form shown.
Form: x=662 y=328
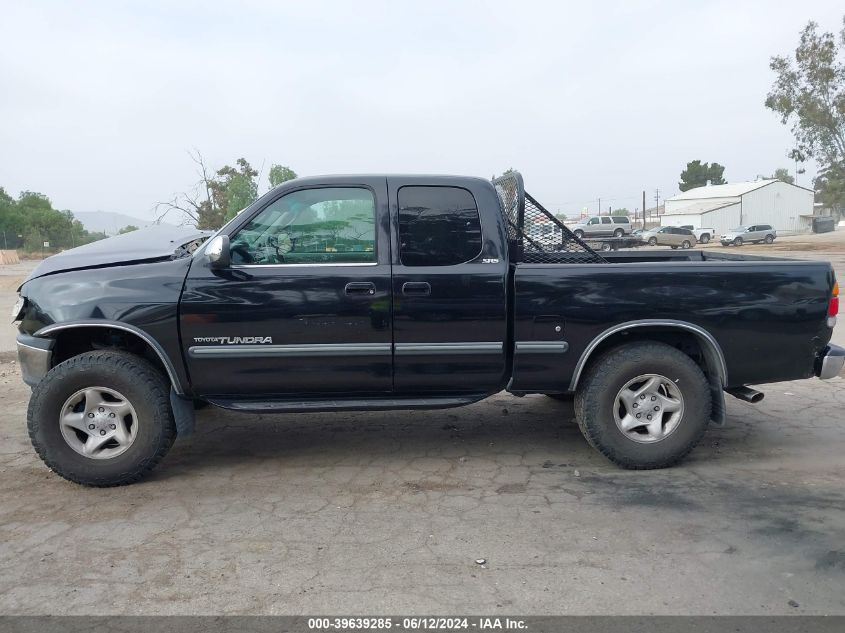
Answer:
x=536 y=236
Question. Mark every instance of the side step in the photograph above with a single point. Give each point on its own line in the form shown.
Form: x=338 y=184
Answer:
x=352 y=404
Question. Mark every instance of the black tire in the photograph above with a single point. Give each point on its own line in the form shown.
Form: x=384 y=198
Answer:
x=606 y=246
x=769 y=239
x=606 y=377
x=705 y=238
x=618 y=233
x=737 y=241
x=686 y=244
x=652 y=241
x=579 y=234
x=674 y=248
x=133 y=377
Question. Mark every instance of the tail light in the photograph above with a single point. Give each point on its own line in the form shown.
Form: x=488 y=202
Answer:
x=833 y=306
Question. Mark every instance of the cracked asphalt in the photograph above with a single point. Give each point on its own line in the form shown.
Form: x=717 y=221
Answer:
x=368 y=513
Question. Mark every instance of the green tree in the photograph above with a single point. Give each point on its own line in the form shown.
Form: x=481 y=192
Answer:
x=127 y=229
x=781 y=173
x=31 y=220
x=697 y=174
x=622 y=212
x=217 y=197
x=279 y=174
x=809 y=95
x=235 y=188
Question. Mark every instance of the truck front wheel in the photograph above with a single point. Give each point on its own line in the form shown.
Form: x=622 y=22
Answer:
x=102 y=418
x=643 y=405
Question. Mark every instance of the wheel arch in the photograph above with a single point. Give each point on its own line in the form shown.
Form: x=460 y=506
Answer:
x=714 y=359
x=80 y=335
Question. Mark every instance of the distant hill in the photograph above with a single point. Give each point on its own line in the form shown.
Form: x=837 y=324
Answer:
x=108 y=221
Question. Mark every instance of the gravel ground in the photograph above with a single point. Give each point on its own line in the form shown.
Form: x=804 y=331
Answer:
x=389 y=512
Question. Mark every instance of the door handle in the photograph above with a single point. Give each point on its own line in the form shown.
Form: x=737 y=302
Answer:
x=416 y=289
x=356 y=288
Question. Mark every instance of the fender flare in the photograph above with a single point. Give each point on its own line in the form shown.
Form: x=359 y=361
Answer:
x=49 y=331
x=713 y=352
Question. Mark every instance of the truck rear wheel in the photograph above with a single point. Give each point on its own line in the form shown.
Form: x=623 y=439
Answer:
x=579 y=233
x=705 y=238
x=102 y=418
x=643 y=405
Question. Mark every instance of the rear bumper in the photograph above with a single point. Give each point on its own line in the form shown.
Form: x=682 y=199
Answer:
x=830 y=362
x=35 y=356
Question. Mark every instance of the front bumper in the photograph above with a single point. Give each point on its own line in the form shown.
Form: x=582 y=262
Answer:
x=830 y=362
x=35 y=356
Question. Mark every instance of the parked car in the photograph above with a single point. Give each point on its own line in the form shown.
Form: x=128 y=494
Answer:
x=754 y=233
x=603 y=226
x=703 y=236
x=669 y=236
x=427 y=293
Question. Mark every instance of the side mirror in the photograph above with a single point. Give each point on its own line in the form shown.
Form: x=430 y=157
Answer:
x=218 y=252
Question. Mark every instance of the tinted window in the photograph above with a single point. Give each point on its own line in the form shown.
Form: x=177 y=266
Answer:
x=605 y=220
x=593 y=221
x=330 y=225
x=685 y=231
x=438 y=226
x=764 y=227
x=620 y=220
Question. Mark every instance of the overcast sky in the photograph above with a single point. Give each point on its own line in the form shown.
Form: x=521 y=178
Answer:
x=101 y=101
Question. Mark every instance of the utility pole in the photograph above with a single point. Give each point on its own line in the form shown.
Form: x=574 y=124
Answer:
x=599 y=206
x=643 y=209
x=657 y=202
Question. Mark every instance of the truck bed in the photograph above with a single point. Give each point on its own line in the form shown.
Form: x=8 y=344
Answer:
x=766 y=314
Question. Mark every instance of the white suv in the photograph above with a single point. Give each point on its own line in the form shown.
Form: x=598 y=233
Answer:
x=603 y=226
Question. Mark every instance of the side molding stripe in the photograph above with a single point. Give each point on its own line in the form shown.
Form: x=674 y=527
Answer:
x=541 y=347
x=288 y=351
x=426 y=349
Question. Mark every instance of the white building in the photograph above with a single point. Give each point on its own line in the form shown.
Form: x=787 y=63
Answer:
x=788 y=208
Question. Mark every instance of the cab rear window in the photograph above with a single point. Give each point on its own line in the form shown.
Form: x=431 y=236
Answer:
x=438 y=226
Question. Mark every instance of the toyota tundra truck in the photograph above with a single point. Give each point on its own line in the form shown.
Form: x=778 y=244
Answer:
x=379 y=292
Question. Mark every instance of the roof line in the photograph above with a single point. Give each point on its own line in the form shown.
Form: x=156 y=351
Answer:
x=727 y=204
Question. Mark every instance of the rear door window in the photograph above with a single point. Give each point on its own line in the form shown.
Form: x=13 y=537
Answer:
x=620 y=220
x=605 y=220
x=438 y=226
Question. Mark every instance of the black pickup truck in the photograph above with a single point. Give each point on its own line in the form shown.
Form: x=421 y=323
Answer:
x=402 y=292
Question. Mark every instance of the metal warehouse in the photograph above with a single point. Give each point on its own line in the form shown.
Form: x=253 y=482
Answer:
x=788 y=208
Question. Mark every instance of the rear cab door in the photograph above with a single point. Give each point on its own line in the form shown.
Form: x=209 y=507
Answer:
x=449 y=281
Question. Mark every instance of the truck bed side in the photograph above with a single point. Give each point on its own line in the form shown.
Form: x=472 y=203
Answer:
x=766 y=317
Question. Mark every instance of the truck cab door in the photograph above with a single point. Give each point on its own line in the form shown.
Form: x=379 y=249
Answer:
x=303 y=310
x=449 y=288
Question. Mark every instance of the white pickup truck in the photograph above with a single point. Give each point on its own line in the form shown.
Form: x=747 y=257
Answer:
x=702 y=236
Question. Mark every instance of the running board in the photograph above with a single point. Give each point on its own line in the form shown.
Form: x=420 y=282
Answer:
x=353 y=404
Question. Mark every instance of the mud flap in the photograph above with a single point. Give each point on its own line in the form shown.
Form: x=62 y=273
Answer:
x=183 y=414
x=719 y=415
